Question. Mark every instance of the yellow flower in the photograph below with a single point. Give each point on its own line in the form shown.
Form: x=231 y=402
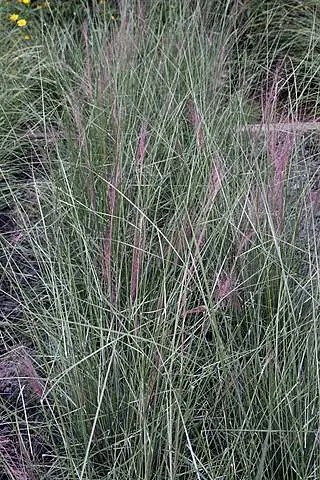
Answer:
x=27 y=37
x=22 y=22
x=26 y=2
x=14 y=17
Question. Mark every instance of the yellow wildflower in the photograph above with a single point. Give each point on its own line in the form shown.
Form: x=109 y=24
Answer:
x=26 y=2
x=22 y=22
x=14 y=17
x=27 y=37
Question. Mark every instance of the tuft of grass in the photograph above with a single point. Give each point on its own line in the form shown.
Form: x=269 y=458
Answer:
x=172 y=303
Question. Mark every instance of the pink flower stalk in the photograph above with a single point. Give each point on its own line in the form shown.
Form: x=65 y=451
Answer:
x=184 y=301
x=194 y=311
x=244 y=242
x=280 y=148
x=213 y=189
x=101 y=85
x=195 y=120
x=214 y=186
x=224 y=287
x=215 y=181
x=107 y=253
x=33 y=377
x=187 y=229
x=201 y=239
x=199 y=243
x=271 y=96
x=11 y=460
x=315 y=198
x=226 y=292
x=135 y=270
x=16 y=238
x=17 y=367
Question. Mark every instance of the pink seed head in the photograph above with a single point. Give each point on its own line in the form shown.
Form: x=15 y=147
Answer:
x=226 y=291
x=195 y=119
x=196 y=310
x=16 y=238
x=315 y=197
x=244 y=242
x=33 y=377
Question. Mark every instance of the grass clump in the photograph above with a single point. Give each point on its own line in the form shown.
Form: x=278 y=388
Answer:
x=174 y=312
